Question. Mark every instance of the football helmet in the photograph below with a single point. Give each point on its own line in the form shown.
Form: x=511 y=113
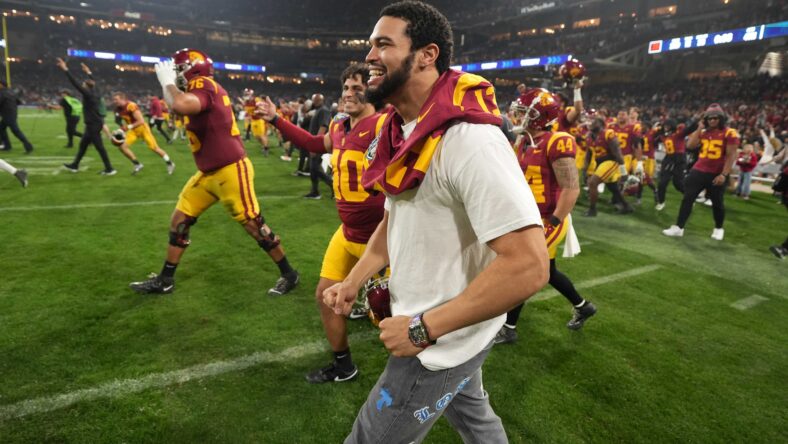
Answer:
x=538 y=108
x=631 y=185
x=191 y=63
x=376 y=293
x=118 y=137
x=248 y=93
x=572 y=70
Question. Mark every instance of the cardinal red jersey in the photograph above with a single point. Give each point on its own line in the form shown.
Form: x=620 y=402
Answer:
x=359 y=211
x=164 y=107
x=628 y=135
x=674 y=143
x=563 y=124
x=650 y=143
x=600 y=143
x=537 y=165
x=713 y=143
x=155 y=108
x=214 y=137
x=249 y=105
x=127 y=112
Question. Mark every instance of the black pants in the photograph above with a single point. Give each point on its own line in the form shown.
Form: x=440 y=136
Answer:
x=92 y=135
x=561 y=283
x=316 y=173
x=158 y=123
x=673 y=170
x=696 y=182
x=71 y=129
x=10 y=122
x=303 y=160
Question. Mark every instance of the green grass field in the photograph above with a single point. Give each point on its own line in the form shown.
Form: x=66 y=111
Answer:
x=84 y=359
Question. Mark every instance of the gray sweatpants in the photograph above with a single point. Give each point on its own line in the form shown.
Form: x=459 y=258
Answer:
x=408 y=399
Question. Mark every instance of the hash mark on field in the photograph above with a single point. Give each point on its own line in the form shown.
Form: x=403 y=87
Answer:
x=544 y=295
x=122 y=387
x=748 y=302
x=112 y=204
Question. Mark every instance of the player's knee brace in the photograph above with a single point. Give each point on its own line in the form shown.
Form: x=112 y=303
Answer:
x=180 y=237
x=269 y=240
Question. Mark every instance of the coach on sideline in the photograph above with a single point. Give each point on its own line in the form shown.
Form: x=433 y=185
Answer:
x=462 y=232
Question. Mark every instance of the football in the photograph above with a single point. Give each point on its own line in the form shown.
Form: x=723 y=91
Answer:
x=118 y=137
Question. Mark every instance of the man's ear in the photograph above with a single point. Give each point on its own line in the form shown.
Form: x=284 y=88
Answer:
x=428 y=55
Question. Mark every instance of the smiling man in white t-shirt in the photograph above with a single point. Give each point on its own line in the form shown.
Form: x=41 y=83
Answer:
x=462 y=234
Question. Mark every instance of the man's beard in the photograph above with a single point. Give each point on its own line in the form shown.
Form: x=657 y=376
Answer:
x=392 y=82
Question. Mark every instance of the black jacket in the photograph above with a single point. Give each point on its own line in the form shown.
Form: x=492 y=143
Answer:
x=91 y=102
x=9 y=103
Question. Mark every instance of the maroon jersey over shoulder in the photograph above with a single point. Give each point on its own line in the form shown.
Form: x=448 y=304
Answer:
x=214 y=137
x=537 y=165
x=155 y=108
x=713 y=142
x=359 y=211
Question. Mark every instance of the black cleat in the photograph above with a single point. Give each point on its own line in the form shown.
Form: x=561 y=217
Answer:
x=71 y=167
x=155 y=284
x=505 y=335
x=284 y=284
x=332 y=373
x=21 y=176
x=313 y=196
x=591 y=212
x=778 y=251
x=581 y=315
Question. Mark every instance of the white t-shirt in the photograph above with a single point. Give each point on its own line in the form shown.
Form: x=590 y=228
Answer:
x=474 y=191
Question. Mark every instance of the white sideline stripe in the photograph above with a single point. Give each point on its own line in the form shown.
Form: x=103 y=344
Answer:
x=113 y=204
x=748 y=302
x=122 y=387
x=548 y=294
x=157 y=380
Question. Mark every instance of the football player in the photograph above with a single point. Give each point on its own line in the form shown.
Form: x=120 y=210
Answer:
x=628 y=135
x=157 y=114
x=718 y=145
x=347 y=140
x=20 y=174
x=248 y=101
x=547 y=159
x=259 y=130
x=674 y=164
x=649 y=147
x=225 y=173
x=135 y=127
x=610 y=166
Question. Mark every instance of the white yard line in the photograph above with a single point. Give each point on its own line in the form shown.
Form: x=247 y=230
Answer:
x=123 y=387
x=551 y=293
x=113 y=204
x=748 y=302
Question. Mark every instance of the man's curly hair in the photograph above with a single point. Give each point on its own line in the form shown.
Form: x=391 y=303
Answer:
x=425 y=25
x=353 y=70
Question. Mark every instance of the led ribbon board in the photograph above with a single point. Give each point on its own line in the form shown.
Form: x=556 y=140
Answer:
x=135 y=58
x=741 y=35
x=514 y=63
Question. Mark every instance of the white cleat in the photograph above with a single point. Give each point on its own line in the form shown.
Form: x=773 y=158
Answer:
x=660 y=206
x=673 y=231
x=137 y=168
x=170 y=168
x=718 y=234
x=707 y=202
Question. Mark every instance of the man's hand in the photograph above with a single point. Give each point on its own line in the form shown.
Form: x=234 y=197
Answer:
x=578 y=83
x=61 y=64
x=394 y=335
x=266 y=109
x=85 y=68
x=340 y=297
x=718 y=180
x=165 y=71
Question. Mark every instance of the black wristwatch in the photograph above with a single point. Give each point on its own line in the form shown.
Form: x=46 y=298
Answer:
x=554 y=221
x=417 y=332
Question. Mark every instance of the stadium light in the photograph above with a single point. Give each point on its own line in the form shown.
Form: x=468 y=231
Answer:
x=121 y=57
x=741 y=35
x=514 y=63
